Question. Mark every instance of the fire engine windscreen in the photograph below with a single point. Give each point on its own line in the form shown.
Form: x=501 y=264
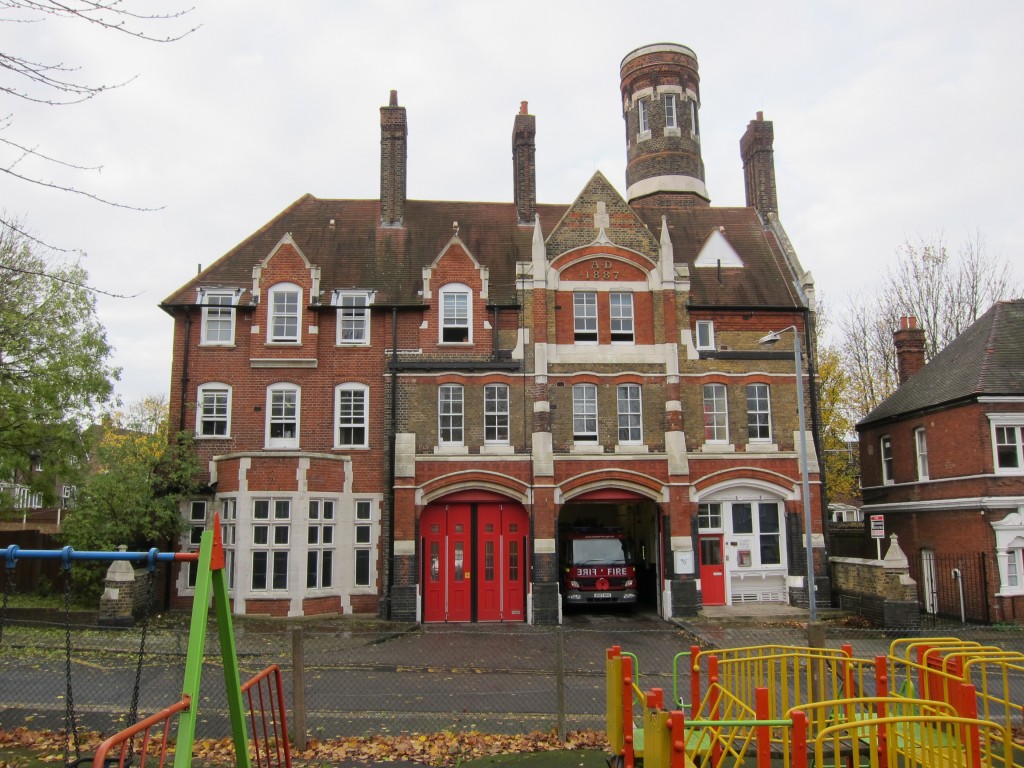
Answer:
x=610 y=551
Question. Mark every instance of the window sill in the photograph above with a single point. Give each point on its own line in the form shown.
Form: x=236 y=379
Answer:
x=671 y=131
x=497 y=449
x=351 y=448
x=213 y=437
x=455 y=343
x=585 y=448
x=451 y=450
x=712 y=447
x=351 y=343
x=220 y=344
x=1011 y=471
x=643 y=136
x=630 y=448
x=766 y=447
x=284 y=343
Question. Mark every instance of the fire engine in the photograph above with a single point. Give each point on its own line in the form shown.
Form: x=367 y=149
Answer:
x=597 y=567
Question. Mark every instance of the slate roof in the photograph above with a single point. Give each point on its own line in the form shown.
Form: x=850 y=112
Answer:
x=356 y=252
x=986 y=359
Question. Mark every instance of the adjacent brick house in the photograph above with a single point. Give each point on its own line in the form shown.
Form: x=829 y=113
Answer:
x=943 y=460
x=402 y=402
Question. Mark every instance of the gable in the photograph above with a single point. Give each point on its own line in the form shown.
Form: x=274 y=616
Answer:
x=599 y=214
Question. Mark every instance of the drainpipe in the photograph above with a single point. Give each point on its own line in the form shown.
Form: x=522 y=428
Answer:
x=184 y=368
x=393 y=430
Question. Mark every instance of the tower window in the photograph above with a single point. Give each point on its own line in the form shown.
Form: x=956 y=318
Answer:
x=644 y=112
x=671 y=116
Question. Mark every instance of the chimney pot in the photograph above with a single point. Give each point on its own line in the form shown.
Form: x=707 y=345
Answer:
x=393 y=102
x=524 y=108
x=760 y=115
x=909 y=343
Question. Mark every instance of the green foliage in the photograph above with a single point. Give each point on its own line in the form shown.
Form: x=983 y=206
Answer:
x=54 y=365
x=140 y=476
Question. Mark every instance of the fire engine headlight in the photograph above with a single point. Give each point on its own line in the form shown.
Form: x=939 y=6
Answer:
x=574 y=584
x=630 y=583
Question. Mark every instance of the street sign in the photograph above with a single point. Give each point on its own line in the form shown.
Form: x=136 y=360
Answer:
x=877 y=526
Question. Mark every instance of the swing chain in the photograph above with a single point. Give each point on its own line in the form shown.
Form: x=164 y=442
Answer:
x=70 y=726
x=133 y=712
x=8 y=591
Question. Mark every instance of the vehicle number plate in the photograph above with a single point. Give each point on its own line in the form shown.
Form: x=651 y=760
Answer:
x=603 y=595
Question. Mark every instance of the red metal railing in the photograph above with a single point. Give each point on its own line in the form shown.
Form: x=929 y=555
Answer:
x=265 y=696
x=147 y=738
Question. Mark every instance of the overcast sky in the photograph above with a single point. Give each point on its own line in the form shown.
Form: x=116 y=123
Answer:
x=893 y=120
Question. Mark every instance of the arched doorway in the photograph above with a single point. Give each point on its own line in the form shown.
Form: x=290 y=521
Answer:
x=474 y=549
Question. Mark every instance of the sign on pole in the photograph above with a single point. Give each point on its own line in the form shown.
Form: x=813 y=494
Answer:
x=878 y=532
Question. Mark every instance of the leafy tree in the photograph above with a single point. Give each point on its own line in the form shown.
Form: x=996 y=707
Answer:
x=58 y=83
x=54 y=364
x=138 y=478
x=945 y=291
x=838 y=436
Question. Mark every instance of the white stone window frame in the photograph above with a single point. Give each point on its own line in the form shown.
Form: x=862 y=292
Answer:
x=719 y=424
x=365 y=534
x=228 y=535
x=1007 y=421
x=643 y=117
x=213 y=387
x=921 y=453
x=275 y=312
x=322 y=543
x=757 y=412
x=671 y=106
x=630 y=415
x=218 y=306
x=363 y=423
x=272 y=419
x=345 y=301
x=704 y=335
x=448 y=320
x=886 y=459
x=278 y=530
x=1010 y=544
x=618 y=303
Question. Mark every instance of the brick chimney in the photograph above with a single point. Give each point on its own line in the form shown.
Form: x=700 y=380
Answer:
x=393 y=151
x=759 y=165
x=524 y=166
x=909 y=343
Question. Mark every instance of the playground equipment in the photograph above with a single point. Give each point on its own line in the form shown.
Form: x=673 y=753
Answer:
x=799 y=706
x=264 y=739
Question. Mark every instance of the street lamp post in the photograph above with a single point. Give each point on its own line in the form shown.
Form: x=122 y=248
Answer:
x=771 y=338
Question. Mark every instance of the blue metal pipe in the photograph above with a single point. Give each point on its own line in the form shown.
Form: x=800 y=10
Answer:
x=14 y=553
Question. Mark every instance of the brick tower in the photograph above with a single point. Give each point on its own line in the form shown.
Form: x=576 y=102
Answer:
x=660 y=104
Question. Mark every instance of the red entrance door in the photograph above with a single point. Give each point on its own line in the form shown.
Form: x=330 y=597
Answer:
x=473 y=562
x=712 y=570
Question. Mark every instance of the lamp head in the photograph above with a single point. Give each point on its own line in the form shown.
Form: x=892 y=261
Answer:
x=771 y=338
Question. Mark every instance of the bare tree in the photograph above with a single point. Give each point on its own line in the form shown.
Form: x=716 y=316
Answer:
x=946 y=292
x=59 y=84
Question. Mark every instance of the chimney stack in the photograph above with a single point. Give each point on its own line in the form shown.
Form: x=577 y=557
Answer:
x=759 y=165
x=393 y=152
x=909 y=343
x=524 y=165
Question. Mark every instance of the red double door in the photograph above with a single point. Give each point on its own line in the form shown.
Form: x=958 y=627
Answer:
x=474 y=559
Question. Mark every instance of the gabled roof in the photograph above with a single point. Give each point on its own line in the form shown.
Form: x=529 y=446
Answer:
x=345 y=239
x=986 y=359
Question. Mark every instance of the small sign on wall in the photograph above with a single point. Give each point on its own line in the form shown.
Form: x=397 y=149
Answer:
x=878 y=533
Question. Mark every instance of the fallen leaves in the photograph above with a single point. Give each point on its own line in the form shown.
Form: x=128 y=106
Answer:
x=446 y=748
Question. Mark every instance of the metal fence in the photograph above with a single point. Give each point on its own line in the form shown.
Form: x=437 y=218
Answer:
x=366 y=677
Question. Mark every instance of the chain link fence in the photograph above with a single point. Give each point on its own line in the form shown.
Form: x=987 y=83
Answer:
x=358 y=677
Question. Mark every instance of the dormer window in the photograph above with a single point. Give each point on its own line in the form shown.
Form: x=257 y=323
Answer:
x=705 y=334
x=218 y=323
x=353 y=316
x=283 y=310
x=456 y=313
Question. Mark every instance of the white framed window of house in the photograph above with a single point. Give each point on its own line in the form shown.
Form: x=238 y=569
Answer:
x=353 y=317
x=630 y=412
x=283 y=403
x=921 y=453
x=213 y=411
x=762 y=522
x=1007 y=442
x=705 y=334
x=1009 y=533
x=694 y=123
x=716 y=414
x=229 y=536
x=496 y=414
x=620 y=317
x=320 y=541
x=759 y=413
x=352 y=409
x=456 y=301
x=709 y=517
x=363 y=544
x=218 y=321
x=584 y=413
x=643 y=107
x=885 y=454
x=197 y=511
x=450 y=414
x=584 y=317
x=671 y=110
x=271 y=542
x=284 y=312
